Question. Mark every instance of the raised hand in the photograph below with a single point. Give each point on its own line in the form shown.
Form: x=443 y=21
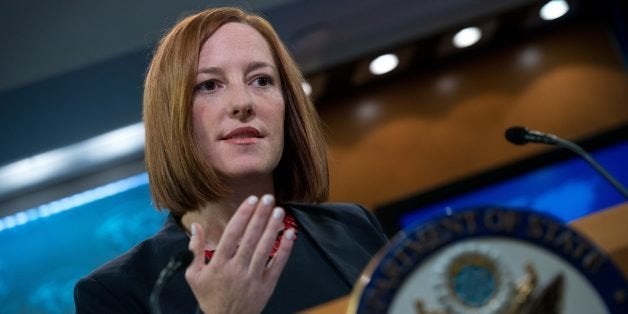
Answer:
x=240 y=278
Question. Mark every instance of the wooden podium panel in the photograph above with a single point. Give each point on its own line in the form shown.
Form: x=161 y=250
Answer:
x=607 y=228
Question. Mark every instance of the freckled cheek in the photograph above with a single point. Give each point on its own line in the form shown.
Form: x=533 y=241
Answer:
x=200 y=125
x=281 y=134
x=277 y=116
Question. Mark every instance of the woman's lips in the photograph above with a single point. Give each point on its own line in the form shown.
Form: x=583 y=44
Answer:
x=243 y=135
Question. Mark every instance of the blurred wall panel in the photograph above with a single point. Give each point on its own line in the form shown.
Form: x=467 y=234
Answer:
x=436 y=125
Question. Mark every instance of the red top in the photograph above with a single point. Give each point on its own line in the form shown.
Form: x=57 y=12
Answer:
x=288 y=222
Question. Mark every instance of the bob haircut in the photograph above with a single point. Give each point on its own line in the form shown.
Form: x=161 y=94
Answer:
x=180 y=179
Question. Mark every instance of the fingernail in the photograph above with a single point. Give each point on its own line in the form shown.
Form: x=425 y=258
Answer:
x=251 y=200
x=193 y=229
x=290 y=234
x=277 y=213
x=267 y=199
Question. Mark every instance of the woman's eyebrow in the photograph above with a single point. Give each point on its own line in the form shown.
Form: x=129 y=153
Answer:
x=252 y=66
x=210 y=70
x=256 y=65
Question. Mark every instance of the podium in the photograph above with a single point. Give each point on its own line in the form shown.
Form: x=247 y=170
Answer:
x=606 y=228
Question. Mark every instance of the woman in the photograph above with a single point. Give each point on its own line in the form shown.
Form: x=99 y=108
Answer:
x=235 y=152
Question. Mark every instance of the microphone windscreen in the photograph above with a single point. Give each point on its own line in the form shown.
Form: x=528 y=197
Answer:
x=517 y=135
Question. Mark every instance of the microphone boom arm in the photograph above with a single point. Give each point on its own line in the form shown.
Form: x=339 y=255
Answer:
x=581 y=152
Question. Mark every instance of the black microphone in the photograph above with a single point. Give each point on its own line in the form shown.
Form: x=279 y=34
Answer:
x=520 y=135
x=177 y=262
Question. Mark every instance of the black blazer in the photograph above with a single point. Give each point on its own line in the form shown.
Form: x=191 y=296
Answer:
x=347 y=234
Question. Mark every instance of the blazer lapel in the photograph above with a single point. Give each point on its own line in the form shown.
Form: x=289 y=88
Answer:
x=329 y=235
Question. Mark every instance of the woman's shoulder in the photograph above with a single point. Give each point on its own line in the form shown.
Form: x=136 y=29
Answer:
x=349 y=212
x=333 y=209
x=349 y=217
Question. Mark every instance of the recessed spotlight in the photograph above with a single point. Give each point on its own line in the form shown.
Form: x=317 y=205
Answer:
x=384 y=64
x=554 y=9
x=307 y=88
x=467 y=37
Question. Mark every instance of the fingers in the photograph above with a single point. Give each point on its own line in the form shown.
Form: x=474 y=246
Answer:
x=250 y=236
x=255 y=229
x=278 y=262
x=196 y=245
x=235 y=228
x=266 y=242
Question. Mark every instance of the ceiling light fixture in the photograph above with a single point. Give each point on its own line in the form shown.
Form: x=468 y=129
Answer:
x=467 y=37
x=72 y=159
x=554 y=9
x=384 y=64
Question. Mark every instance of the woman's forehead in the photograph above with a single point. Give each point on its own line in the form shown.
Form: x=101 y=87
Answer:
x=235 y=42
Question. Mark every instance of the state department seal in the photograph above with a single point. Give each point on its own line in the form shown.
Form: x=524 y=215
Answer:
x=471 y=279
x=490 y=260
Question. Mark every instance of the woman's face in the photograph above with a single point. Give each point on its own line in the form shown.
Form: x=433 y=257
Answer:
x=238 y=106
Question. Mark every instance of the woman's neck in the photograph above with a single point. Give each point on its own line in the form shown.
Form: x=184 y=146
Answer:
x=215 y=215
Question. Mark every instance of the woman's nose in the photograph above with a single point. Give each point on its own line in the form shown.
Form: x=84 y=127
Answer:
x=242 y=112
x=241 y=107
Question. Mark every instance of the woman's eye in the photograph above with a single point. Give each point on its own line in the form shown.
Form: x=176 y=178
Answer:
x=206 y=86
x=264 y=81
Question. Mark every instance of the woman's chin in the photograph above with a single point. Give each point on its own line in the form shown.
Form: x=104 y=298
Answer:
x=248 y=173
x=247 y=168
